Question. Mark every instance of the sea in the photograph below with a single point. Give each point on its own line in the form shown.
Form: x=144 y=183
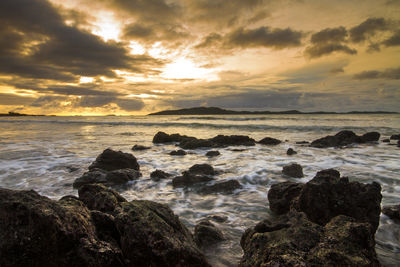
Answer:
x=48 y=153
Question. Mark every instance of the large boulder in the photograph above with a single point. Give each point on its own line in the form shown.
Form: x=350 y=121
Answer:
x=37 y=231
x=206 y=234
x=292 y=240
x=111 y=160
x=293 y=170
x=100 y=228
x=233 y=140
x=326 y=196
x=269 y=141
x=345 y=138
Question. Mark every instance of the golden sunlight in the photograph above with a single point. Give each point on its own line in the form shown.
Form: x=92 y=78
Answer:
x=184 y=68
x=106 y=27
x=85 y=79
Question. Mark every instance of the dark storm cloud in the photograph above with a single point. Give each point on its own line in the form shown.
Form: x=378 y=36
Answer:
x=368 y=29
x=11 y=99
x=37 y=43
x=389 y=74
x=394 y=40
x=252 y=38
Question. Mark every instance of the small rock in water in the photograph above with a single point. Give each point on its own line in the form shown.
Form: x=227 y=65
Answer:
x=159 y=174
x=179 y=152
x=218 y=218
x=140 y=147
x=213 y=153
x=395 y=137
x=302 y=142
x=387 y=140
x=204 y=169
x=226 y=187
x=290 y=152
x=370 y=137
x=206 y=234
x=293 y=170
x=269 y=141
x=393 y=212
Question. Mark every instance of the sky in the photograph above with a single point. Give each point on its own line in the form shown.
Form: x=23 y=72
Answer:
x=133 y=57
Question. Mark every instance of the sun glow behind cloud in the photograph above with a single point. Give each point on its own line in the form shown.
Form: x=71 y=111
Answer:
x=184 y=68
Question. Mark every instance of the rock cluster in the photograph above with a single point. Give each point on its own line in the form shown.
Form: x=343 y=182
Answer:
x=189 y=142
x=345 y=138
x=110 y=168
x=328 y=221
x=100 y=228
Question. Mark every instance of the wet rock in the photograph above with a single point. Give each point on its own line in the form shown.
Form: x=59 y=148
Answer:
x=233 y=140
x=159 y=175
x=205 y=169
x=345 y=138
x=206 y=234
x=293 y=170
x=281 y=195
x=196 y=143
x=111 y=160
x=98 y=176
x=302 y=142
x=218 y=218
x=395 y=137
x=106 y=229
x=98 y=197
x=213 y=153
x=179 y=152
x=387 y=140
x=189 y=179
x=162 y=137
x=292 y=240
x=371 y=137
x=290 y=152
x=225 y=187
x=393 y=212
x=151 y=235
x=140 y=148
x=269 y=141
x=37 y=231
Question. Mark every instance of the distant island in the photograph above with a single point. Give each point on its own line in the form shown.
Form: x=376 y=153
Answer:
x=220 y=111
x=16 y=114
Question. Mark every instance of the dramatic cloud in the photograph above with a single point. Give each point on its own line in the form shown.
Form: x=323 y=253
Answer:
x=374 y=74
x=368 y=29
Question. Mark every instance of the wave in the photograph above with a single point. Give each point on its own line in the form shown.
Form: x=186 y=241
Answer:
x=254 y=127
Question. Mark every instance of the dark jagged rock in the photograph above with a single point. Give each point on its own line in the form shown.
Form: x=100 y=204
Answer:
x=269 y=141
x=213 y=153
x=161 y=138
x=89 y=231
x=159 y=175
x=37 y=231
x=98 y=176
x=290 y=152
x=140 y=148
x=345 y=138
x=204 y=169
x=197 y=143
x=111 y=160
x=387 y=140
x=293 y=170
x=233 y=140
x=189 y=179
x=393 y=212
x=206 y=234
x=371 y=137
x=293 y=240
x=327 y=196
x=179 y=152
x=225 y=187
x=98 y=197
x=281 y=195
x=395 y=137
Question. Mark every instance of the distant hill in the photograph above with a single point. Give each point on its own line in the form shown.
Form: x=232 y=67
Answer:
x=220 y=111
x=16 y=114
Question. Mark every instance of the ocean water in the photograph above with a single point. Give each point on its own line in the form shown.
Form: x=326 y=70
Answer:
x=48 y=153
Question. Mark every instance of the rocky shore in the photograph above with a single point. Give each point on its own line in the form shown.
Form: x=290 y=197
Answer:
x=328 y=221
